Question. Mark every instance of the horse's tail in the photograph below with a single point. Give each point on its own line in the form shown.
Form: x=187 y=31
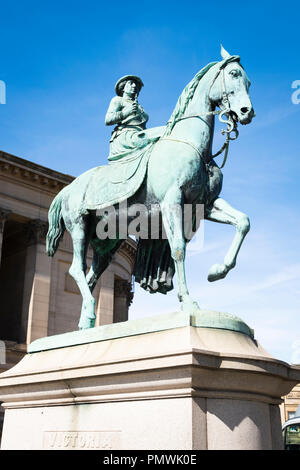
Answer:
x=56 y=225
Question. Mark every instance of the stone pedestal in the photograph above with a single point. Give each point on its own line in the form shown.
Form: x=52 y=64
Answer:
x=166 y=382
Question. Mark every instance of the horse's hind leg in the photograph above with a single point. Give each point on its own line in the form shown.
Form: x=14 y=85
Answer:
x=77 y=271
x=103 y=251
x=172 y=216
x=224 y=213
x=92 y=276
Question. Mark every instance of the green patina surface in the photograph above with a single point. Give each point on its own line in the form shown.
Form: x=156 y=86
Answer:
x=166 y=167
x=202 y=319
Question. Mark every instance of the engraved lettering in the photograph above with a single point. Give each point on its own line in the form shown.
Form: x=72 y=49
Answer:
x=82 y=440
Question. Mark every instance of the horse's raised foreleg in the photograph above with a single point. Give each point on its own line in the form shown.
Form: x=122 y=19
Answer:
x=224 y=213
x=77 y=271
x=172 y=216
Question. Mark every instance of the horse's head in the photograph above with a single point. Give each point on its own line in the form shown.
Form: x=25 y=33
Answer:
x=230 y=87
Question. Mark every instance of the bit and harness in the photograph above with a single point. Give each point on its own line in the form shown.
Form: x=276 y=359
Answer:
x=231 y=121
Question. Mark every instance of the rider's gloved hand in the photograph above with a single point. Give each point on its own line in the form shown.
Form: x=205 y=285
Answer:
x=131 y=109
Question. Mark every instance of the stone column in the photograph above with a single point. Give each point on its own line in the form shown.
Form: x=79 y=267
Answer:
x=105 y=307
x=4 y=213
x=36 y=294
x=122 y=299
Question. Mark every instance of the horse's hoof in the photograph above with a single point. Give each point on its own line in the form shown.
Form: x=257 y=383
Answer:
x=216 y=272
x=86 y=323
x=191 y=307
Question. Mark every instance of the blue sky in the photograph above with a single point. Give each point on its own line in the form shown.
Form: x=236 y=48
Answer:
x=60 y=61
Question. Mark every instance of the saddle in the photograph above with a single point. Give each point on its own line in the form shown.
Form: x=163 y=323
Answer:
x=114 y=183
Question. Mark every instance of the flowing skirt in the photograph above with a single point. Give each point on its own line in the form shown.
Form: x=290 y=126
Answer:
x=131 y=141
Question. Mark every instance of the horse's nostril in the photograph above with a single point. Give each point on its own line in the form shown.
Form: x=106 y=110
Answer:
x=244 y=110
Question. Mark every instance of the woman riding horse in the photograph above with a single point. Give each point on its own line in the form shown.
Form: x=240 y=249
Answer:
x=130 y=133
x=176 y=174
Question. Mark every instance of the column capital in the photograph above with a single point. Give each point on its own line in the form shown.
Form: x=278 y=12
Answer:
x=123 y=288
x=4 y=214
x=36 y=231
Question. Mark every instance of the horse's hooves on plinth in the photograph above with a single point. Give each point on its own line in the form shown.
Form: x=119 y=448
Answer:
x=190 y=307
x=86 y=324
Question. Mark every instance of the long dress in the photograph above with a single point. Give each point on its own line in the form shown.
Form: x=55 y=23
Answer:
x=154 y=268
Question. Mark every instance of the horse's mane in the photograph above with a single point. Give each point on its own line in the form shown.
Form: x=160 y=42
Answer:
x=186 y=97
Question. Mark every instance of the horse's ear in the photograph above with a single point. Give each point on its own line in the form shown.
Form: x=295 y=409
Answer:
x=224 y=53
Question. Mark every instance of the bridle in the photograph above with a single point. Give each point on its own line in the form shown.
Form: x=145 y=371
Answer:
x=231 y=121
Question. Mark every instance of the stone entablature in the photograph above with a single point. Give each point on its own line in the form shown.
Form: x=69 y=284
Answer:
x=32 y=173
x=294 y=395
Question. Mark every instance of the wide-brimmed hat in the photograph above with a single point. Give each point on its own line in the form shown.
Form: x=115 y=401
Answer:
x=124 y=79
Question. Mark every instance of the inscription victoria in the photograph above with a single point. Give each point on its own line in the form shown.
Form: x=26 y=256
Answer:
x=81 y=439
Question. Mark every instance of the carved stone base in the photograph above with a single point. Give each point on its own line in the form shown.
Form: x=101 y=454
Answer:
x=185 y=387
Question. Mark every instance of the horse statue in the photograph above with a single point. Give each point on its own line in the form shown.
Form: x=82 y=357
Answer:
x=175 y=170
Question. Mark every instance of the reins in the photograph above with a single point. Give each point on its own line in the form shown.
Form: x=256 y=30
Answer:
x=231 y=123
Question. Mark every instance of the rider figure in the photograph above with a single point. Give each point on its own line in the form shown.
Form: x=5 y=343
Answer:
x=130 y=118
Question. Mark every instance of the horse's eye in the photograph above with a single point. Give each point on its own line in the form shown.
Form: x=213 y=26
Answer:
x=235 y=73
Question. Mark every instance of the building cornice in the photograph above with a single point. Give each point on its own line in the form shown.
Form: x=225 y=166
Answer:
x=32 y=173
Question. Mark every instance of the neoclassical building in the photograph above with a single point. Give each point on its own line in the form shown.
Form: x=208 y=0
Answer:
x=290 y=404
x=37 y=295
